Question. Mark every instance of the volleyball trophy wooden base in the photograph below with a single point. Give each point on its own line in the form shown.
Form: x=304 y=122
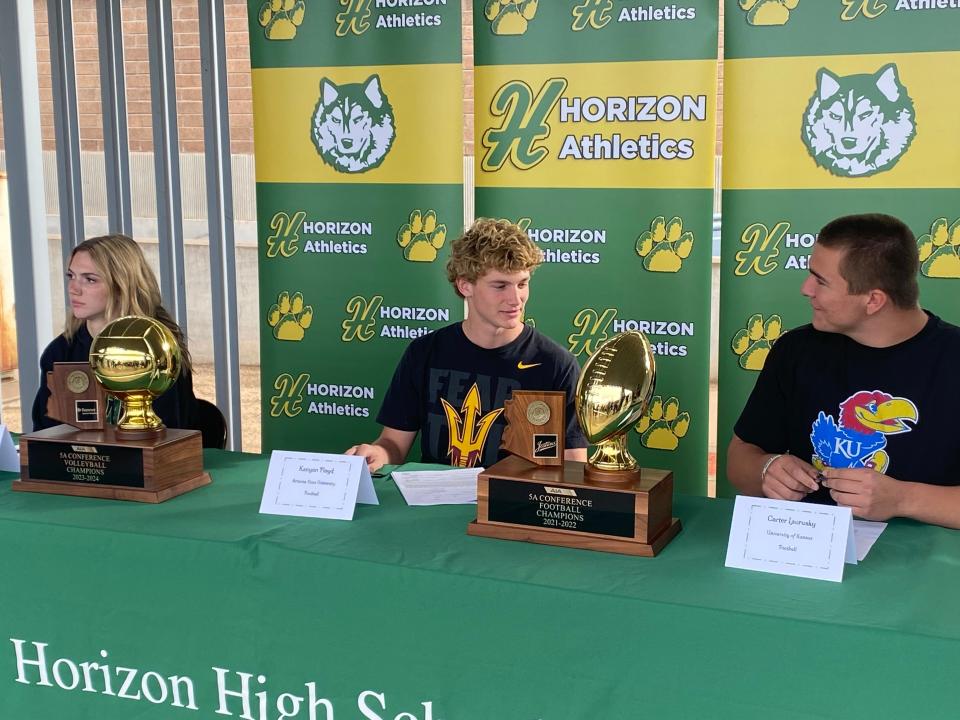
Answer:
x=520 y=500
x=106 y=464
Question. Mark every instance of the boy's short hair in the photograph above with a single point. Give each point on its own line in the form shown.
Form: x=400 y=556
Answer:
x=880 y=252
x=491 y=245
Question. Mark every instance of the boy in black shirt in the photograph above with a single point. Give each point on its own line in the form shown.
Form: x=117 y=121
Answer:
x=450 y=385
x=859 y=407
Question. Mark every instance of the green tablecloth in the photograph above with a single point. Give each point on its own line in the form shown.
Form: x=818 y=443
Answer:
x=401 y=602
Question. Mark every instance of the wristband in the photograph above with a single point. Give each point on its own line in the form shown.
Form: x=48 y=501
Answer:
x=766 y=466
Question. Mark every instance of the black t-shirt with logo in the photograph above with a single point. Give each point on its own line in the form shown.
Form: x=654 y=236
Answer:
x=836 y=403
x=474 y=381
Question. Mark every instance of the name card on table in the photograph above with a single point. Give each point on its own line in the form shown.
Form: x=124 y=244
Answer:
x=9 y=459
x=318 y=485
x=791 y=538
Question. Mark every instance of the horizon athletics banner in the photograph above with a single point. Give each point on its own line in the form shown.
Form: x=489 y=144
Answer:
x=359 y=157
x=595 y=131
x=818 y=124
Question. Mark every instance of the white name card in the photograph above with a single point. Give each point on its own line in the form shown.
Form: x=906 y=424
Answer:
x=791 y=538
x=318 y=485
x=9 y=459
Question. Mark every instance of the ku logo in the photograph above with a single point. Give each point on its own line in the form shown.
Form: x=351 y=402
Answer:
x=289 y=398
x=285 y=236
x=591 y=13
x=859 y=125
x=355 y=17
x=281 y=18
x=592 y=328
x=524 y=123
x=361 y=322
x=859 y=439
x=763 y=246
x=468 y=429
x=852 y=9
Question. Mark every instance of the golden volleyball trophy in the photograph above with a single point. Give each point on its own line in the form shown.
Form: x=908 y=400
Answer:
x=608 y=503
x=134 y=359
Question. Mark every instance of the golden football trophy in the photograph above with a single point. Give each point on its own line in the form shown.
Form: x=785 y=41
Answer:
x=135 y=359
x=609 y=503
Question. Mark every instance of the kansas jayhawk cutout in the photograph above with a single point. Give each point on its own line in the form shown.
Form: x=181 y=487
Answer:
x=859 y=439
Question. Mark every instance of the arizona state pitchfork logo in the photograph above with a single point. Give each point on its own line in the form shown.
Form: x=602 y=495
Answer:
x=468 y=433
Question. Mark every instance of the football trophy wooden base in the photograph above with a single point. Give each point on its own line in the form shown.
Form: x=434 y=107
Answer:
x=105 y=464
x=519 y=500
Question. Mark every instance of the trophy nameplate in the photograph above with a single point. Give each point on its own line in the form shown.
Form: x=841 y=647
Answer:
x=609 y=503
x=134 y=359
x=517 y=500
x=100 y=463
x=536 y=426
x=76 y=398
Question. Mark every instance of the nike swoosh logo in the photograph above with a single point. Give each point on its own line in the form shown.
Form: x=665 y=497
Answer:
x=524 y=366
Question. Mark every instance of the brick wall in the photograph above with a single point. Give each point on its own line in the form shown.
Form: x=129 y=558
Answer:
x=187 y=65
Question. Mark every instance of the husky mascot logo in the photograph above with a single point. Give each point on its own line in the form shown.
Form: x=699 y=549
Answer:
x=859 y=125
x=353 y=125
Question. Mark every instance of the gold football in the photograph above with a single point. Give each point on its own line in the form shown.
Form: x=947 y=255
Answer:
x=615 y=386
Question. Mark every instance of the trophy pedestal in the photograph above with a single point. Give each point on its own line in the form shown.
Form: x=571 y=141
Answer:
x=518 y=500
x=106 y=464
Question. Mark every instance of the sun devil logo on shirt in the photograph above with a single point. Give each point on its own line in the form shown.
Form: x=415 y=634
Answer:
x=859 y=438
x=468 y=429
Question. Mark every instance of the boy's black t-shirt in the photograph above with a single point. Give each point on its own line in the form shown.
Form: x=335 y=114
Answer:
x=445 y=366
x=834 y=402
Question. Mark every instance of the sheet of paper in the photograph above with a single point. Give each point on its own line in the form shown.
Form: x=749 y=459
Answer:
x=865 y=534
x=9 y=459
x=319 y=485
x=791 y=538
x=438 y=487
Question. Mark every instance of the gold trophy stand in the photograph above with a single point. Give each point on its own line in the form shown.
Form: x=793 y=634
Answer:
x=150 y=469
x=510 y=507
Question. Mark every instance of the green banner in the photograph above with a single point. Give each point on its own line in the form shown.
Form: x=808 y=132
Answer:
x=796 y=158
x=595 y=131
x=359 y=185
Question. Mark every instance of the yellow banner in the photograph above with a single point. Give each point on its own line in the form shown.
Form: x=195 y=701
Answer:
x=358 y=124
x=850 y=121
x=597 y=125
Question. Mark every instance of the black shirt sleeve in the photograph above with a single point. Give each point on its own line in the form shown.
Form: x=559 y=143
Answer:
x=764 y=421
x=567 y=382
x=401 y=405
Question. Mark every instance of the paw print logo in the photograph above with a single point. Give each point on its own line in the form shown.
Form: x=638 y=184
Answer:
x=421 y=237
x=662 y=425
x=665 y=245
x=281 y=18
x=940 y=250
x=768 y=12
x=289 y=318
x=753 y=343
x=510 y=17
